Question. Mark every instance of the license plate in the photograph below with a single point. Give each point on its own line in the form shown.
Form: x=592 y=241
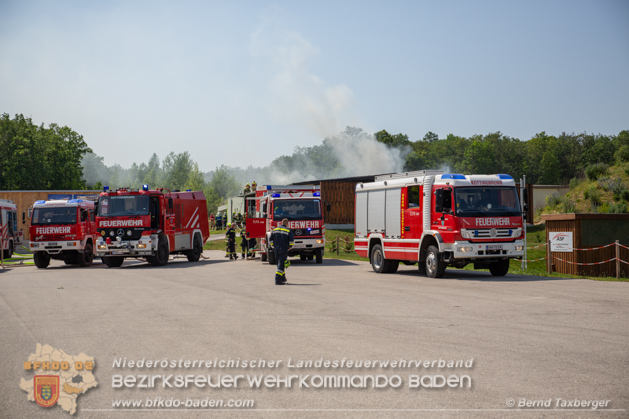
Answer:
x=51 y=244
x=494 y=247
x=118 y=252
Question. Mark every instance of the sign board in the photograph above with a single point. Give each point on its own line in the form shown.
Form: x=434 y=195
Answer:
x=560 y=241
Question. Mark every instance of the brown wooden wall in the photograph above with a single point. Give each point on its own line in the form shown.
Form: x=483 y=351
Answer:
x=573 y=223
x=340 y=195
x=25 y=199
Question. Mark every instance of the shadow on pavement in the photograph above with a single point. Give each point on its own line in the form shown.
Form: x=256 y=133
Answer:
x=463 y=275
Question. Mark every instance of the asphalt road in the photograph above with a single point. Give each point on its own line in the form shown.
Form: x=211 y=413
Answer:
x=531 y=339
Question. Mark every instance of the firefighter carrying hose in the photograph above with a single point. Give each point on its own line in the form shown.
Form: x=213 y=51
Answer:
x=282 y=240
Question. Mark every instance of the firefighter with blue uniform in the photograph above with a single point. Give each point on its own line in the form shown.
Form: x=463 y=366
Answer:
x=282 y=240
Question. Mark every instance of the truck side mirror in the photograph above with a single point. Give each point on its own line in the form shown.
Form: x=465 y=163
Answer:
x=23 y=217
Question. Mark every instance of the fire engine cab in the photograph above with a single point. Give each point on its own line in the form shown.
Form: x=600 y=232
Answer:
x=64 y=230
x=9 y=234
x=301 y=205
x=437 y=219
x=151 y=224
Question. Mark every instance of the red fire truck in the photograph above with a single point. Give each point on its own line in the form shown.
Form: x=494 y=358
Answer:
x=9 y=234
x=64 y=230
x=151 y=224
x=301 y=205
x=437 y=220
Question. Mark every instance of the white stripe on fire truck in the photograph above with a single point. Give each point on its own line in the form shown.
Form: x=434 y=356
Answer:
x=190 y=220
x=194 y=221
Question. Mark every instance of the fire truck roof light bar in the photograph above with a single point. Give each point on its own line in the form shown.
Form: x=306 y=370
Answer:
x=275 y=195
x=41 y=201
x=316 y=194
x=105 y=188
x=505 y=177
x=145 y=187
x=75 y=201
x=452 y=176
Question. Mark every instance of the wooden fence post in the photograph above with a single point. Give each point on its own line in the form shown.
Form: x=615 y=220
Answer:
x=549 y=264
x=617 y=259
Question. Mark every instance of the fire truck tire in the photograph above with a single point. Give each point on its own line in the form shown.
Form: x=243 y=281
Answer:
x=161 y=258
x=113 y=261
x=263 y=257
x=194 y=254
x=393 y=265
x=42 y=259
x=434 y=266
x=378 y=263
x=87 y=257
x=271 y=256
x=319 y=256
x=499 y=268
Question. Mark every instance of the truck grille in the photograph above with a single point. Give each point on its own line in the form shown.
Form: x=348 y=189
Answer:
x=136 y=233
x=492 y=233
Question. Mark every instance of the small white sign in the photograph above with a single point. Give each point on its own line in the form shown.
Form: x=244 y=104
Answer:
x=560 y=241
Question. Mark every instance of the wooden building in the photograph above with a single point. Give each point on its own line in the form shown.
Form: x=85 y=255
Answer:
x=591 y=231
x=25 y=199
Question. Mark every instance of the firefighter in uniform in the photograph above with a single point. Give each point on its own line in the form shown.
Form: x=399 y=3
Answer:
x=247 y=188
x=244 y=243
x=231 y=242
x=254 y=185
x=282 y=240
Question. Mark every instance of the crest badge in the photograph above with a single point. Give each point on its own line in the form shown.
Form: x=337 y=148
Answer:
x=46 y=389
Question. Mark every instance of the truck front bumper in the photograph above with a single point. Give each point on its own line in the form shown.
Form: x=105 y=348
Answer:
x=131 y=248
x=467 y=250
x=56 y=247
x=303 y=246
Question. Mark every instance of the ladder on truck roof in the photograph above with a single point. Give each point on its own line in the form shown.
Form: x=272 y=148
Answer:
x=408 y=174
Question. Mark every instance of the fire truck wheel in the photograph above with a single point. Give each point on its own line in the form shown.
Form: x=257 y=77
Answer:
x=42 y=259
x=499 y=268
x=263 y=257
x=113 y=261
x=161 y=258
x=319 y=256
x=195 y=253
x=434 y=266
x=87 y=257
x=271 y=256
x=378 y=263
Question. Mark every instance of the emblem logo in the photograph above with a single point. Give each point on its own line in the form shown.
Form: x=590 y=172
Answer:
x=493 y=232
x=297 y=232
x=46 y=389
x=120 y=232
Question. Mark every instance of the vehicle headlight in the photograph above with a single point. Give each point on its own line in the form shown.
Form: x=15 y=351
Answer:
x=34 y=244
x=102 y=247
x=319 y=241
x=465 y=249
x=141 y=246
x=519 y=248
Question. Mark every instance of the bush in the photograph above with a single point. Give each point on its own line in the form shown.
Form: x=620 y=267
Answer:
x=617 y=208
x=614 y=185
x=624 y=195
x=622 y=154
x=593 y=171
x=593 y=195
x=553 y=200
x=574 y=182
x=568 y=206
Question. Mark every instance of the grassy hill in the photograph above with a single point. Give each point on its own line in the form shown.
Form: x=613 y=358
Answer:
x=603 y=190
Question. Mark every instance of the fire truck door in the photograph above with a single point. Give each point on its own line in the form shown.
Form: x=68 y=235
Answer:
x=413 y=226
x=443 y=215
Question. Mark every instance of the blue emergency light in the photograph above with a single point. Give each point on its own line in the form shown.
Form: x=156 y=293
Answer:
x=105 y=189
x=41 y=201
x=316 y=194
x=75 y=201
x=188 y=190
x=452 y=176
x=145 y=187
x=269 y=187
x=275 y=195
x=506 y=177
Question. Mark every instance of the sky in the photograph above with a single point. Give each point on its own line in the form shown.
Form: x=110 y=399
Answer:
x=240 y=83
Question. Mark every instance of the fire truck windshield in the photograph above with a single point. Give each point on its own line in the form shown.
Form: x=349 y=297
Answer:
x=118 y=205
x=486 y=201
x=54 y=215
x=297 y=209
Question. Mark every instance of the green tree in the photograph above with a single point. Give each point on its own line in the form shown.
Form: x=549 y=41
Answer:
x=177 y=168
x=196 y=180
